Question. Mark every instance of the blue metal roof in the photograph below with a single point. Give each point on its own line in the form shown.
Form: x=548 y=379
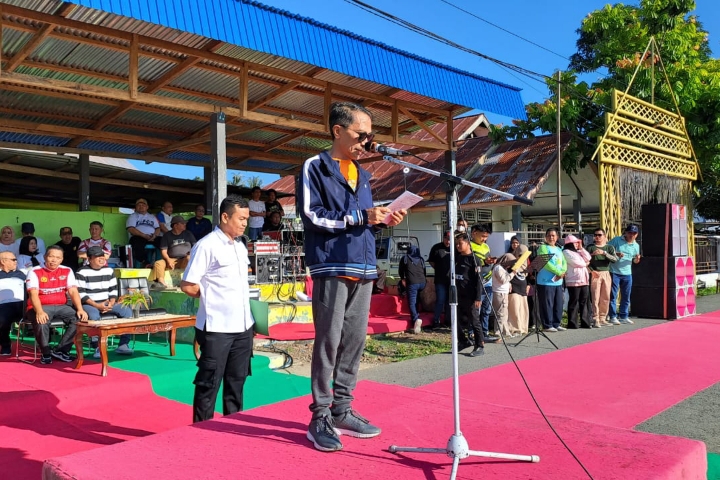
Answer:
x=255 y=26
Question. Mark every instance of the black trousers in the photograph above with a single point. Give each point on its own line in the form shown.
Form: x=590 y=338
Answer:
x=9 y=313
x=224 y=357
x=63 y=313
x=469 y=317
x=577 y=306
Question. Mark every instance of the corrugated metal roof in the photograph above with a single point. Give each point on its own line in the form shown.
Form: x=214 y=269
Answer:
x=91 y=47
x=258 y=27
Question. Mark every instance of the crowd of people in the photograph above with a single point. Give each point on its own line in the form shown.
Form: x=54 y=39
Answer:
x=587 y=281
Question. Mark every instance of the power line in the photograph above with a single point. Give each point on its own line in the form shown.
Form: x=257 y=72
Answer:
x=504 y=30
x=508 y=66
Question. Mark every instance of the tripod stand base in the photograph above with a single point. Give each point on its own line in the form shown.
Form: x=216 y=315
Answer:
x=458 y=448
x=537 y=332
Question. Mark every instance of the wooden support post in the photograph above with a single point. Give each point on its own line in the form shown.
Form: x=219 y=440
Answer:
x=395 y=119
x=84 y=187
x=326 y=107
x=243 y=92
x=218 y=167
x=134 y=67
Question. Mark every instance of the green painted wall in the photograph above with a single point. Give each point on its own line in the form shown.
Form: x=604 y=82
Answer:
x=48 y=223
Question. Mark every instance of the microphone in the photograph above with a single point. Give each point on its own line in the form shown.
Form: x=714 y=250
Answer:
x=380 y=148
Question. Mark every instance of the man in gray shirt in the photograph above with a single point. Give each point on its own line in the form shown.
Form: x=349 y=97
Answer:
x=175 y=247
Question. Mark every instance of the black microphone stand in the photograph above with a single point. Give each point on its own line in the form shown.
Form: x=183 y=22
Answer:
x=457 y=447
x=535 y=266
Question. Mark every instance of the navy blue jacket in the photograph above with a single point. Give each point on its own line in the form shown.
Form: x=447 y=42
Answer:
x=338 y=239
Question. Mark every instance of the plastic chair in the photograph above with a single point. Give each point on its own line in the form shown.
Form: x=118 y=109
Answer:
x=22 y=328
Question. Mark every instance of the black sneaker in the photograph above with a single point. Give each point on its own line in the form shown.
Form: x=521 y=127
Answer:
x=46 y=360
x=62 y=356
x=477 y=351
x=463 y=345
x=5 y=350
x=352 y=424
x=322 y=433
x=491 y=339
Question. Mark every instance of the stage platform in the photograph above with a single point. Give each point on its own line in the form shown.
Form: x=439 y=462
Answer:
x=270 y=443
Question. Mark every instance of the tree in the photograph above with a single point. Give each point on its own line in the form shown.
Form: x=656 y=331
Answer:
x=240 y=181
x=611 y=42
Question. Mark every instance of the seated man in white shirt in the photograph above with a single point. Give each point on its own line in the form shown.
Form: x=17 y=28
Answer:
x=143 y=228
x=98 y=291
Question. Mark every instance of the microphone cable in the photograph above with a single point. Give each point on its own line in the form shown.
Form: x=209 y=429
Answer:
x=522 y=376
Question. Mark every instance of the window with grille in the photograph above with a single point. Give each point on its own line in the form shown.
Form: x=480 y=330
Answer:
x=472 y=216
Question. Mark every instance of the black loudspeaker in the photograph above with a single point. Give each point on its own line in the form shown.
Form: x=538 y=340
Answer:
x=662 y=302
x=671 y=272
x=664 y=230
x=267 y=269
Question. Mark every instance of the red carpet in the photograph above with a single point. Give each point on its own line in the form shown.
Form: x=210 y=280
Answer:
x=388 y=313
x=40 y=417
x=620 y=381
x=270 y=443
x=594 y=394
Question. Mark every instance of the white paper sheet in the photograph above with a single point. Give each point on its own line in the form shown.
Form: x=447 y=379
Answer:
x=404 y=201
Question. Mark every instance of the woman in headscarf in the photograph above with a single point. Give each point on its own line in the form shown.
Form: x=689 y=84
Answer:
x=412 y=277
x=518 y=307
x=502 y=274
x=577 y=280
x=7 y=240
x=29 y=255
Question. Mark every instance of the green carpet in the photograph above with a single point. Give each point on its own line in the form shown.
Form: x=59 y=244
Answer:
x=172 y=377
x=713 y=466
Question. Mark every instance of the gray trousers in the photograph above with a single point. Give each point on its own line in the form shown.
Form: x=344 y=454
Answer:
x=55 y=313
x=340 y=314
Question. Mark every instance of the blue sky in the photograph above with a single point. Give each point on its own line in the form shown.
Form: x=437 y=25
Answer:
x=551 y=25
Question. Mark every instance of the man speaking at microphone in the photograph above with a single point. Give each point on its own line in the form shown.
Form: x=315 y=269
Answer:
x=340 y=225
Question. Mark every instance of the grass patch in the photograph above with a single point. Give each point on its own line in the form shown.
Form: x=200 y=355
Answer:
x=703 y=292
x=404 y=346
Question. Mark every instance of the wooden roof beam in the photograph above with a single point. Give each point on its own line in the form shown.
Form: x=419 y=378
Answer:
x=189 y=51
x=95 y=179
x=29 y=47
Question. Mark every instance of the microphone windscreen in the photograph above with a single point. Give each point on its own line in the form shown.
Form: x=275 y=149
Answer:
x=370 y=146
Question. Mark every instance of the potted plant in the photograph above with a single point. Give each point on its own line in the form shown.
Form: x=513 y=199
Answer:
x=135 y=299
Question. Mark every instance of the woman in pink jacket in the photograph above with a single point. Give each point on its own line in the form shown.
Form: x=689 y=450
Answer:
x=577 y=280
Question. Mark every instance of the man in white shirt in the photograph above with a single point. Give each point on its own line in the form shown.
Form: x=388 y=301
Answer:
x=143 y=228
x=217 y=275
x=257 y=215
x=164 y=217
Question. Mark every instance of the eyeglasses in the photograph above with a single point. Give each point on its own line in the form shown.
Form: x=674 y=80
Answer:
x=597 y=234
x=362 y=136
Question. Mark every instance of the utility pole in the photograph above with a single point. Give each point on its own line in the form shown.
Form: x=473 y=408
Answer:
x=559 y=160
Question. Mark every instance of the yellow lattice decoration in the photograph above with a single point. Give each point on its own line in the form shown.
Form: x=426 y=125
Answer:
x=641 y=136
x=625 y=131
x=633 y=157
x=644 y=111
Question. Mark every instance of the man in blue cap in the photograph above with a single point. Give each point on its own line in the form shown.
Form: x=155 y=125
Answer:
x=628 y=252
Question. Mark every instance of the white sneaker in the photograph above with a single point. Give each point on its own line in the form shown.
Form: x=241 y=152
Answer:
x=614 y=321
x=97 y=353
x=124 y=350
x=417 y=327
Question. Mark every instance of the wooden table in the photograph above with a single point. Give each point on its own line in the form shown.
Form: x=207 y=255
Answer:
x=106 y=328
